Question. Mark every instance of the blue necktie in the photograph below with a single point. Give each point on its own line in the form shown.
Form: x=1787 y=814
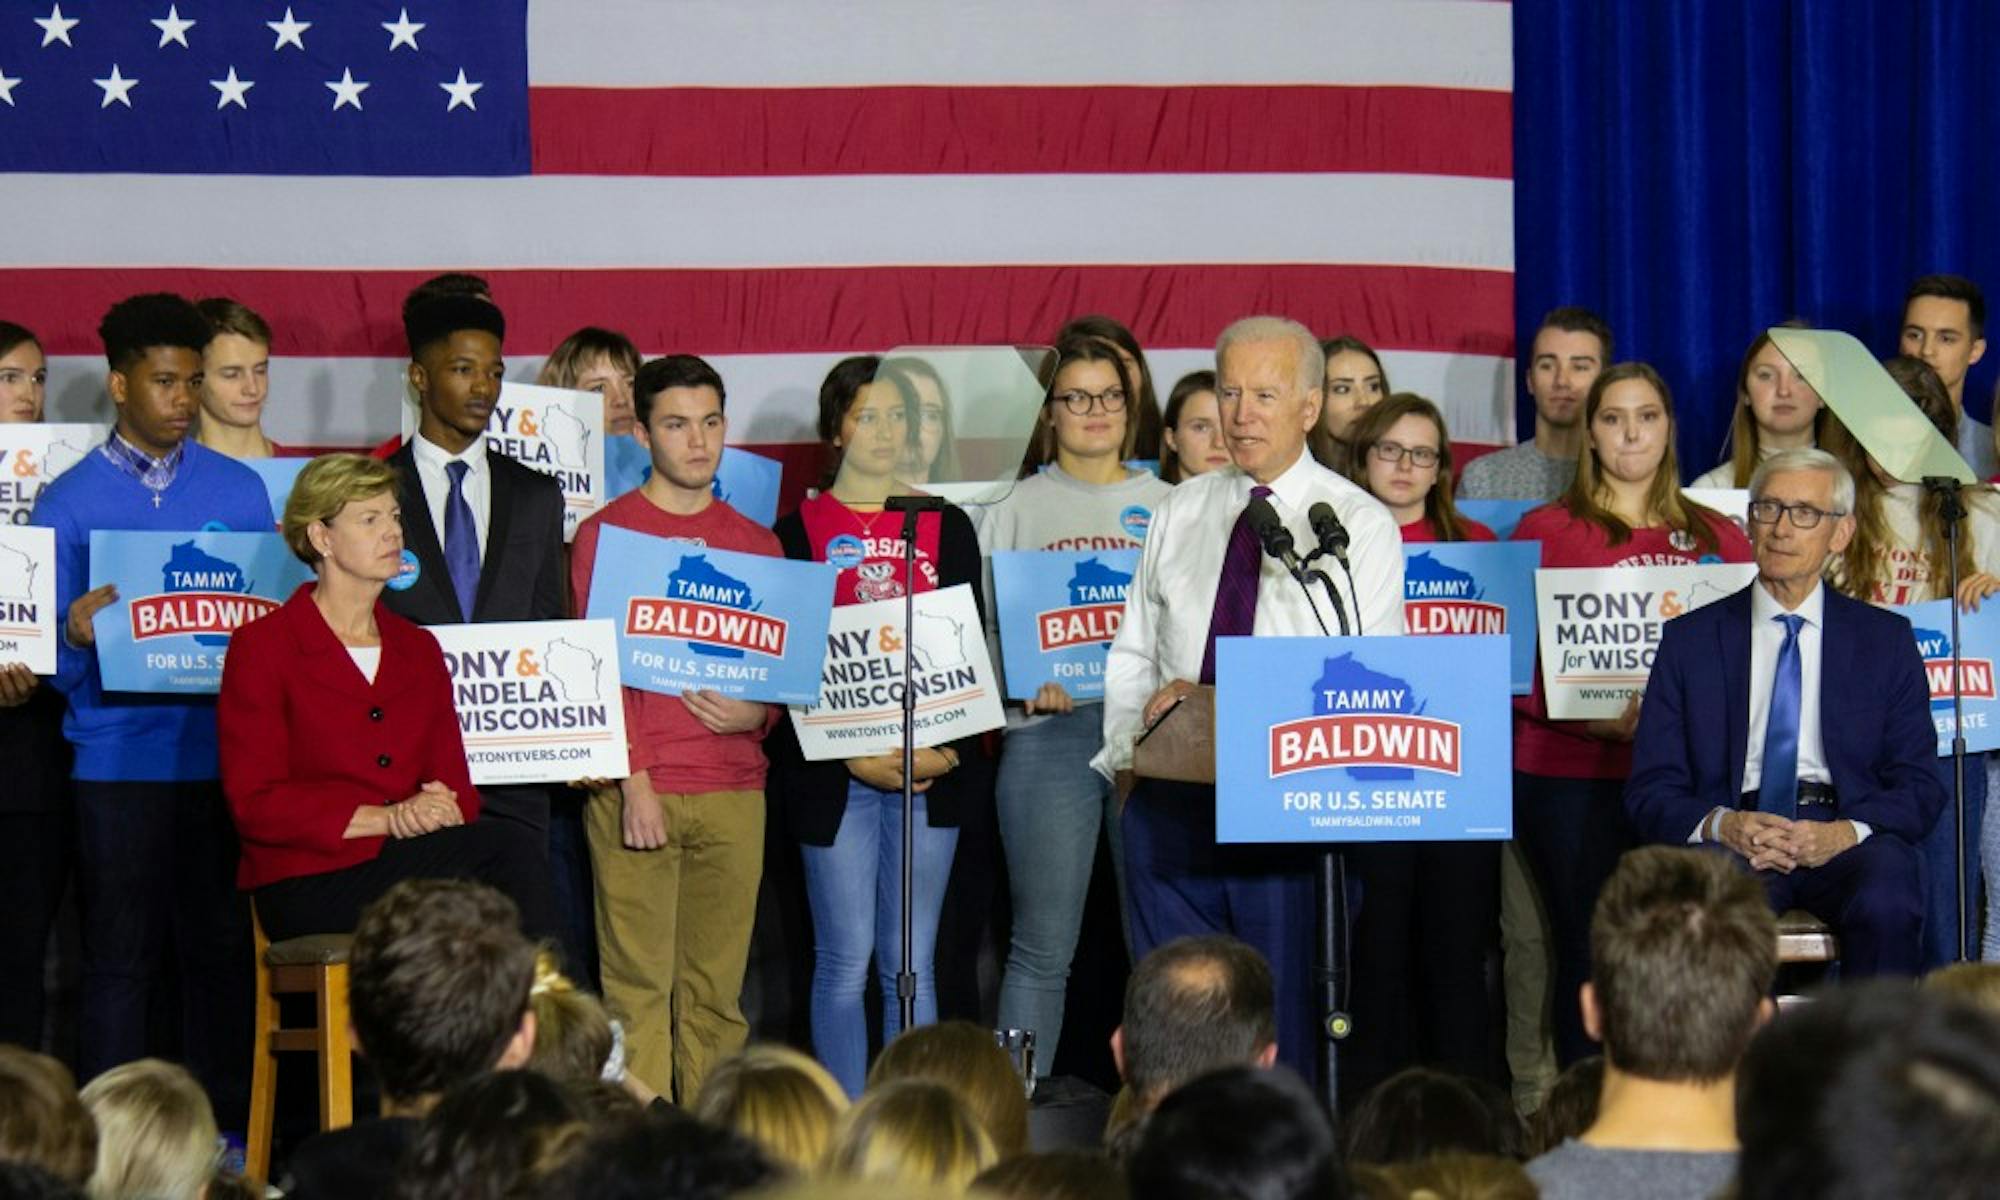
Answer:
x=1778 y=789
x=461 y=541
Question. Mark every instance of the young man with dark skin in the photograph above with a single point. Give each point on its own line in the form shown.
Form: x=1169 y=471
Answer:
x=157 y=851
x=1944 y=324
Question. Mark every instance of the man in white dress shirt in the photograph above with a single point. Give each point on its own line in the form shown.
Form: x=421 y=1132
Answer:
x=1269 y=374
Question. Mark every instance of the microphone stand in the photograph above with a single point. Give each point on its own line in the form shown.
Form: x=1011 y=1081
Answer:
x=1330 y=896
x=906 y=979
x=1951 y=511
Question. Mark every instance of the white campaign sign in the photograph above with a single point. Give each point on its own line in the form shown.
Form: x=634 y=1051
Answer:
x=538 y=701
x=31 y=455
x=28 y=623
x=860 y=709
x=1600 y=626
x=554 y=430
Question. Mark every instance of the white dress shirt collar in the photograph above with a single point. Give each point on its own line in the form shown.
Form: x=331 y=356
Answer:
x=1765 y=607
x=433 y=456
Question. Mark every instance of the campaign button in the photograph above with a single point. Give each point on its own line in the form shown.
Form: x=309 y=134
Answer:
x=374 y=714
x=381 y=760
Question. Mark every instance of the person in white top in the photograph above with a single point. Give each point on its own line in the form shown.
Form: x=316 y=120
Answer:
x=1269 y=374
x=1776 y=409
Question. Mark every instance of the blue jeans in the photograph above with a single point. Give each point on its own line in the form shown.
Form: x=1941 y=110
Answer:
x=1051 y=808
x=1940 y=860
x=852 y=887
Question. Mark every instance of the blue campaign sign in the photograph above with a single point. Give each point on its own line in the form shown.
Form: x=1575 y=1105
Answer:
x=1501 y=516
x=1473 y=588
x=1363 y=740
x=1058 y=611
x=748 y=483
x=278 y=474
x=1931 y=622
x=180 y=596
x=693 y=618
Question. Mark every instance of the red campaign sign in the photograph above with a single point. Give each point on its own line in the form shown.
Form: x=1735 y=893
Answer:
x=1083 y=625
x=178 y=614
x=1365 y=740
x=708 y=624
x=1433 y=617
x=1977 y=677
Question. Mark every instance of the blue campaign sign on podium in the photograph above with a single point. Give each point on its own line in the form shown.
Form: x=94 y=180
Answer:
x=1363 y=739
x=180 y=596
x=1475 y=588
x=691 y=617
x=1058 y=611
x=1980 y=631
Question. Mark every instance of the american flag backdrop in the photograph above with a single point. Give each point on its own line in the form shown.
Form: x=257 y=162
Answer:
x=771 y=184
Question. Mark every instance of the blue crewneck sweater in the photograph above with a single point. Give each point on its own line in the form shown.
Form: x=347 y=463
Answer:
x=123 y=736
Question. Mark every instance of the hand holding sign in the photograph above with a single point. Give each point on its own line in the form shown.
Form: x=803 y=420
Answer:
x=78 y=629
x=17 y=683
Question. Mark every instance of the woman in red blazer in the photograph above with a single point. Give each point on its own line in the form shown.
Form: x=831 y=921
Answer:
x=341 y=753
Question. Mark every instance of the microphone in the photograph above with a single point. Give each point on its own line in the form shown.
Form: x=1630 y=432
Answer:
x=1327 y=528
x=1277 y=542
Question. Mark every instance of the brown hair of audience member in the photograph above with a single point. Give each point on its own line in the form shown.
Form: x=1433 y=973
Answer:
x=918 y=374
x=1041 y=450
x=42 y=1122
x=438 y=987
x=1584 y=499
x=1745 y=441
x=963 y=1057
x=1574 y=318
x=493 y=1137
x=327 y=485
x=1977 y=983
x=233 y=316
x=911 y=1131
x=1188 y=386
x=1145 y=402
x=155 y=1132
x=1329 y=451
x=837 y=394
x=451 y=283
x=1053 y=1175
x=1418 y=1112
x=1571 y=1105
x=1446 y=1177
x=1683 y=951
x=777 y=1097
x=567 y=362
x=1374 y=424
x=573 y=1038
x=12 y=335
x=1195 y=1005
x=1863 y=567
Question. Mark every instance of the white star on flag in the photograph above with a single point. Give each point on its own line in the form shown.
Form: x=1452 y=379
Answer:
x=117 y=88
x=461 y=92
x=172 y=28
x=232 y=90
x=290 y=31
x=7 y=89
x=403 y=31
x=346 y=90
x=56 y=27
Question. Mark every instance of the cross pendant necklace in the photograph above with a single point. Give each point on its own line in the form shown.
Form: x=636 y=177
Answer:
x=156 y=499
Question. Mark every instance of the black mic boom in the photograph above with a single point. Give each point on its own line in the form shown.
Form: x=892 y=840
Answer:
x=1271 y=531
x=1327 y=528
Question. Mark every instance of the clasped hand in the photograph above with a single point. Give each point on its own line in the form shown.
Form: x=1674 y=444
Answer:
x=427 y=810
x=1774 y=843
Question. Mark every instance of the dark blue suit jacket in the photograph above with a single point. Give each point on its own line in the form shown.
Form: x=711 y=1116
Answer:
x=1875 y=721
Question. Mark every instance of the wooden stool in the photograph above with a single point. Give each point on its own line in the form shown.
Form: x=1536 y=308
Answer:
x=316 y=964
x=1804 y=939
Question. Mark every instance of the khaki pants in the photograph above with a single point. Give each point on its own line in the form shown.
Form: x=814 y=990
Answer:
x=673 y=930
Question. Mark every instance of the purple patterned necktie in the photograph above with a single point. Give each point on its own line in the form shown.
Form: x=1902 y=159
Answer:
x=1235 y=612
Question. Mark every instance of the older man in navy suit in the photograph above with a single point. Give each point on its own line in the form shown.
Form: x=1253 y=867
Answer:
x=1791 y=726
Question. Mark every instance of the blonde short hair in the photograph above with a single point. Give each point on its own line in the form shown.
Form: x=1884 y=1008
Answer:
x=963 y=1057
x=573 y=1038
x=777 y=1097
x=156 y=1137
x=42 y=1123
x=327 y=485
x=1977 y=983
x=913 y=1132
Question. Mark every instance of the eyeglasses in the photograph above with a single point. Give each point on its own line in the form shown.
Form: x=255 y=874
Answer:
x=1079 y=401
x=1804 y=516
x=1423 y=457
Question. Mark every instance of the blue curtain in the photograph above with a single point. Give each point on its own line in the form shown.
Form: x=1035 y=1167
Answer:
x=1698 y=170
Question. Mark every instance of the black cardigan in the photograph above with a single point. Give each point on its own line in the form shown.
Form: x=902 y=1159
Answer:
x=811 y=797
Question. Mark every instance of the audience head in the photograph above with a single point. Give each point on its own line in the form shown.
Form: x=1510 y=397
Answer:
x=1402 y=455
x=451 y=283
x=1145 y=403
x=1355 y=381
x=866 y=424
x=573 y=1038
x=1192 y=433
x=235 y=365
x=963 y=1057
x=1976 y=983
x=1239 y=1132
x=1053 y=1175
x=911 y=1131
x=1683 y=951
x=154 y=344
x=1194 y=1005
x=344 y=514
x=492 y=1137
x=1571 y=1105
x=42 y=1123
x=1782 y=489
x=1944 y=324
x=1629 y=443
x=24 y=375
x=438 y=984
x=597 y=360
x=1775 y=407
x=455 y=366
x=1447 y=1177
x=21 y=1181
x=778 y=1098
x=156 y=1135
x=663 y=1154
x=1419 y=1112
x=1926 y=388
x=1572 y=345
x=1087 y=411
x=1876 y=1089
x=933 y=453
x=1270 y=378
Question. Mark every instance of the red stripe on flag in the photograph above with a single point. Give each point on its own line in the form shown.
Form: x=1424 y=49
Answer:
x=1020 y=130
x=808 y=310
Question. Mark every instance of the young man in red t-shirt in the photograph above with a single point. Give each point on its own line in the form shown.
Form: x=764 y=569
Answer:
x=677 y=847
